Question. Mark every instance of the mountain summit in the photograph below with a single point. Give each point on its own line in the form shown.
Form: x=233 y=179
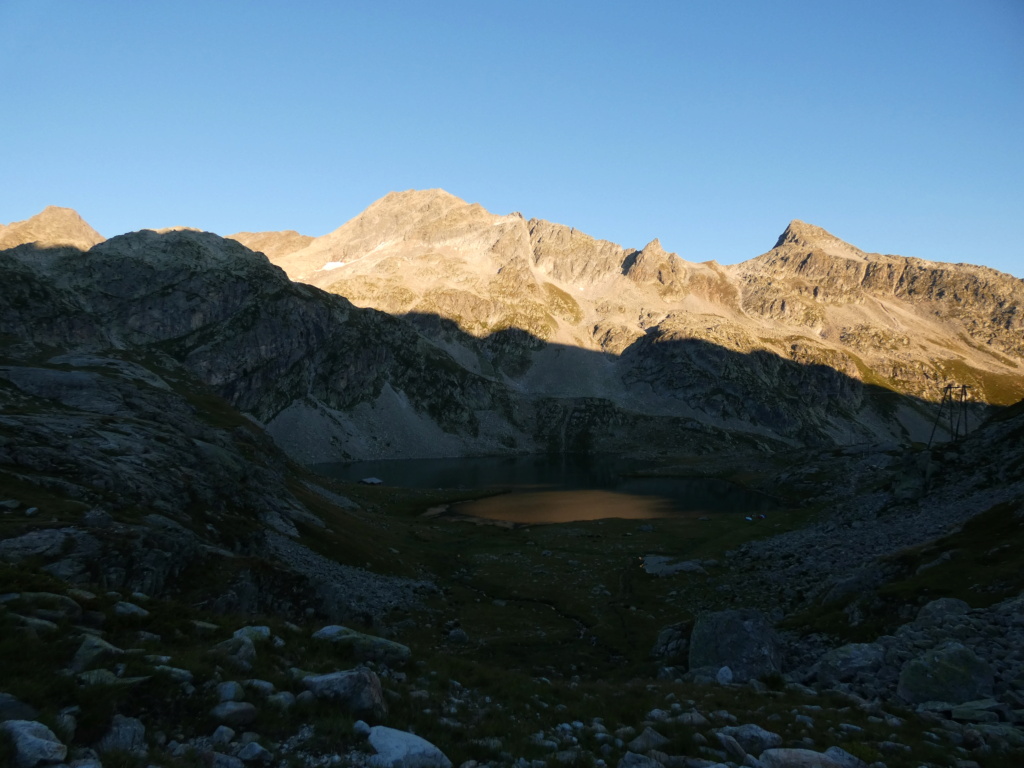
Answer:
x=52 y=227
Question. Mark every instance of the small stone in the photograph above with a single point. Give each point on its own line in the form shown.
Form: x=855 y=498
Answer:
x=724 y=676
x=223 y=735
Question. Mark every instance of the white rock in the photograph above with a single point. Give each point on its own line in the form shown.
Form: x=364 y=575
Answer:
x=399 y=749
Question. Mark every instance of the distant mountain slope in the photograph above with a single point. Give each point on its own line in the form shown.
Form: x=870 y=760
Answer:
x=273 y=244
x=52 y=227
x=904 y=324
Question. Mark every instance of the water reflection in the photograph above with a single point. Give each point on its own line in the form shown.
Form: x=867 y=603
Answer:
x=560 y=488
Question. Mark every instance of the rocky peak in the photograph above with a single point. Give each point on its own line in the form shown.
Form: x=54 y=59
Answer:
x=808 y=237
x=52 y=227
x=653 y=264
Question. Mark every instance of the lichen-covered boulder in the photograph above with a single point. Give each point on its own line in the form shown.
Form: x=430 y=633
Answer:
x=848 y=661
x=742 y=640
x=357 y=690
x=952 y=673
x=365 y=647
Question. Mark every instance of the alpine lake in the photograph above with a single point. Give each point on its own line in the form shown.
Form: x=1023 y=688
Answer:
x=561 y=488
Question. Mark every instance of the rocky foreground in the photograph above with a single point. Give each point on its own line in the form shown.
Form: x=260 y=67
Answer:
x=128 y=638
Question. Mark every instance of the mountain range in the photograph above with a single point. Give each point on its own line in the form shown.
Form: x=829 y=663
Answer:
x=427 y=326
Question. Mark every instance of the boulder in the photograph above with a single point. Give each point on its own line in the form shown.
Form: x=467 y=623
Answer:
x=742 y=640
x=646 y=741
x=399 y=749
x=234 y=713
x=844 y=758
x=672 y=642
x=124 y=608
x=126 y=734
x=13 y=709
x=796 y=758
x=254 y=753
x=753 y=738
x=937 y=612
x=230 y=690
x=365 y=647
x=254 y=633
x=357 y=690
x=633 y=760
x=952 y=673
x=239 y=651
x=34 y=744
x=93 y=650
x=848 y=661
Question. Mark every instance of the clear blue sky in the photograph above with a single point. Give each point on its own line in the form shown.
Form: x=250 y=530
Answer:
x=898 y=126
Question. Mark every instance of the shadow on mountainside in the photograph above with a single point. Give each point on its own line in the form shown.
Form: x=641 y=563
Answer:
x=757 y=392
x=265 y=343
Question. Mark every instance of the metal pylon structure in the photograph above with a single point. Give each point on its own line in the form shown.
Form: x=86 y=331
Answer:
x=954 y=399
